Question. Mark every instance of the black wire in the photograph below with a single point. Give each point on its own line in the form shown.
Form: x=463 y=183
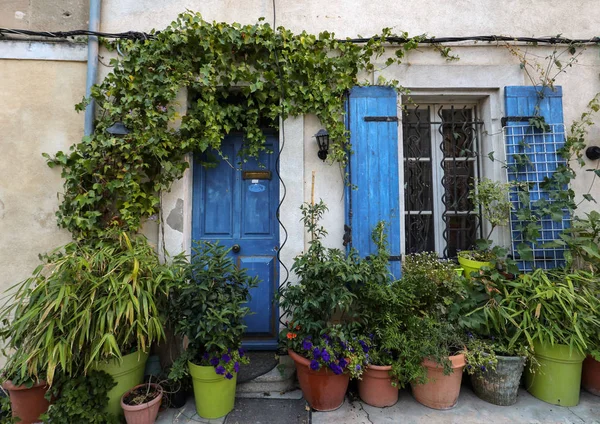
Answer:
x=135 y=35
x=277 y=163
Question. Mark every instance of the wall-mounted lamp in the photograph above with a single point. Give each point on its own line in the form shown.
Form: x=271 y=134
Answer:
x=593 y=152
x=323 y=141
x=118 y=129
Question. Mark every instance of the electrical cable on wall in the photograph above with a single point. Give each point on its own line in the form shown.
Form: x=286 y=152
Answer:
x=277 y=163
x=136 y=35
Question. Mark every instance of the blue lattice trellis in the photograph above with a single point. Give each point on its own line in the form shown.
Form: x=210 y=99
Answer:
x=532 y=155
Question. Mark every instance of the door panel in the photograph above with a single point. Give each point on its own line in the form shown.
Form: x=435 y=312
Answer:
x=236 y=204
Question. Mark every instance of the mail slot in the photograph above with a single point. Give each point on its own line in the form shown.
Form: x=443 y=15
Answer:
x=256 y=175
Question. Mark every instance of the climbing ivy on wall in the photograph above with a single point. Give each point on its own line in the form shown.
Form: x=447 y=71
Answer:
x=114 y=182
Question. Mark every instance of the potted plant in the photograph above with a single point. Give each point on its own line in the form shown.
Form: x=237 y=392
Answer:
x=27 y=397
x=52 y=322
x=496 y=349
x=141 y=404
x=583 y=242
x=491 y=198
x=322 y=335
x=559 y=314
x=210 y=303
x=381 y=310
x=431 y=347
x=433 y=361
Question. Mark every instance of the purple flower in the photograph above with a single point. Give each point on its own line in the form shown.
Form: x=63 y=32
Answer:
x=236 y=367
x=226 y=358
x=325 y=355
x=335 y=368
x=343 y=362
x=357 y=368
x=364 y=346
x=371 y=336
x=343 y=345
x=220 y=370
x=228 y=376
x=214 y=361
x=306 y=344
x=469 y=334
x=241 y=352
x=314 y=365
x=483 y=368
x=327 y=338
x=205 y=356
x=316 y=353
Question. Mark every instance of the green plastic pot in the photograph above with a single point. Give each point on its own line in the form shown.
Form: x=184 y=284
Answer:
x=128 y=373
x=557 y=379
x=470 y=265
x=214 y=394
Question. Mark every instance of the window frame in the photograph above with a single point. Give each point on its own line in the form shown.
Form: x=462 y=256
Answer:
x=487 y=107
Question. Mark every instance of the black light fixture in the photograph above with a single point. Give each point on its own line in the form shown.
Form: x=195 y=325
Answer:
x=593 y=153
x=118 y=129
x=323 y=141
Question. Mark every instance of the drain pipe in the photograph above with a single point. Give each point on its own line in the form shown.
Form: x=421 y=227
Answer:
x=92 y=65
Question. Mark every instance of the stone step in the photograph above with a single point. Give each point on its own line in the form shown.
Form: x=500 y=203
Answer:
x=281 y=379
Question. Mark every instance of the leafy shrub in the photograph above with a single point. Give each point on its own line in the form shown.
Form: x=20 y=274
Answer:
x=80 y=399
x=88 y=302
x=207 y=308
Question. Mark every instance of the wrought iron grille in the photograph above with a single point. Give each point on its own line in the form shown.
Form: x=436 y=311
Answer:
x=531 y=157
x=440 y=166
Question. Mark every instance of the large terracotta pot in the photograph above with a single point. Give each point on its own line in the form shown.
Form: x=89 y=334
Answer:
x=144 y=413
x=323 y=390
x=441 y=391
x=590 y=377
x=376 y=387
x=27 y=403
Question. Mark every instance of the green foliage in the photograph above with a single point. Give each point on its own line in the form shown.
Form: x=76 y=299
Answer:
x=208 y=304
x=114 y=182
x=480 y=357
x=433 y=282
x=323 y=295
x=583 y=242
x=86 y=303
x=80 y=399
x=492 y=198
x=553 y=306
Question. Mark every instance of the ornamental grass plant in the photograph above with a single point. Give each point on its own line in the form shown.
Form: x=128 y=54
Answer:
x=88 y=302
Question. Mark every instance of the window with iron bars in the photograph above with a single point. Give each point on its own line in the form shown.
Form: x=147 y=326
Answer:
x=441 y=164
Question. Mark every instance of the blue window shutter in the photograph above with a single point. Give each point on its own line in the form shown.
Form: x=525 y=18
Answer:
x=541 y=148
x=373 y=170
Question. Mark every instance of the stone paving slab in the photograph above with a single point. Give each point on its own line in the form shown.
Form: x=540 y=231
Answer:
x=470 y=410
x=269 y=411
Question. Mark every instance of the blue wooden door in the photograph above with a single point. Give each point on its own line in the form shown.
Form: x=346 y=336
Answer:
x=236 y=204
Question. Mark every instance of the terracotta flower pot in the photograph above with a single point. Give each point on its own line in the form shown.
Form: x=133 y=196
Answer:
x=27 y=403
x=144 y=413
x=441 y=391
x=322 y=389
x=590 y=377
x=376 y=388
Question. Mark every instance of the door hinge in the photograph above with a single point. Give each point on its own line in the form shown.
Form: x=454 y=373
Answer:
x=347 y=235
x=381 y=118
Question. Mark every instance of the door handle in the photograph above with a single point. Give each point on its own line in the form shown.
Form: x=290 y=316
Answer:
x=236 y=248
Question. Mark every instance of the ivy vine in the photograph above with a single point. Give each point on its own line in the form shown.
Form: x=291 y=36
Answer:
x=241 y=78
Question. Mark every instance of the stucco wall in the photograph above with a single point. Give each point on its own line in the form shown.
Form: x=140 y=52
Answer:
x=37 y=116
x=44 y=15
x=577 y=18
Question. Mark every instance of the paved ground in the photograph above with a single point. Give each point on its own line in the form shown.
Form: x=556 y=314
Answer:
x=470 y=410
